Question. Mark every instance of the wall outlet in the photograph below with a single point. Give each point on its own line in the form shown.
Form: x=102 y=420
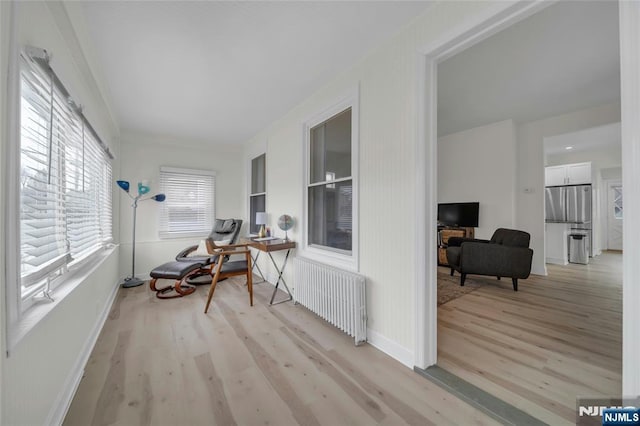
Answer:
x=529 y=190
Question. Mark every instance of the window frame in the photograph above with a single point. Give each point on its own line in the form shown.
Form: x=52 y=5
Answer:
x=324 y=254
x=165 y=234
x=24 y=307
x=618 y=187
x=251 y=194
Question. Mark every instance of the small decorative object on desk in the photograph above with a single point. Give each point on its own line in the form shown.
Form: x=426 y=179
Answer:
x=285 y=222
x=261 y=219
x=265 y=239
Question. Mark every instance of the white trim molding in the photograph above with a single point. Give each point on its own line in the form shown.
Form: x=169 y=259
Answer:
x=334 y=257
x=498 y=18
x=10 y=188
x=495 y=19
x=391 y=348
x=630 y=114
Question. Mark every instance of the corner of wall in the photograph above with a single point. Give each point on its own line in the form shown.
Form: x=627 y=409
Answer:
x=393 y=349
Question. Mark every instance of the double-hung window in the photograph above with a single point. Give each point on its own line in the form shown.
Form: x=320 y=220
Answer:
x=257 y=193
x=64 y=181
x=189 y=209
x=331 y=185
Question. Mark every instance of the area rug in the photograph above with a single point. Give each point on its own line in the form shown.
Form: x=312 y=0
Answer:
x=449 y=287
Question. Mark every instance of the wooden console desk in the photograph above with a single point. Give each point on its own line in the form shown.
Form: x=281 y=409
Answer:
x=443 y=239
x=269 y=246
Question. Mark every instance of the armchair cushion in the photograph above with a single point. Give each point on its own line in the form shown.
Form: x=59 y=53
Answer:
x=495 y=259
x=200 y=251
x=511 y=237
x=224 y=226
x=453 y=256
x=457 y=241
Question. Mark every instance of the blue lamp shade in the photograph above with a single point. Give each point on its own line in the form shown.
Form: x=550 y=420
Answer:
x=142 y=188
x=123 y=184
x=159 y=197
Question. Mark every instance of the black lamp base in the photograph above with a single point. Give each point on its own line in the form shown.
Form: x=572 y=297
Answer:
x=132 y=282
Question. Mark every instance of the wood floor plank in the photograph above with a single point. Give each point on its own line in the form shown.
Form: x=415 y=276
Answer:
x=164 y=362
x=269 y=367
x=221 y=412
x=557 y=338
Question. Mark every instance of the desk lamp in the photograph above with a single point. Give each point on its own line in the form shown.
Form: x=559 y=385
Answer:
x=261 y=219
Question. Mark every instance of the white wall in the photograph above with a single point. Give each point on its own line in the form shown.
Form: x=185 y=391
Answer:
x=38 y=378
x=479 y=164
x=142 y=156
x=530 y=171
x=388 y=92
x=614 y=173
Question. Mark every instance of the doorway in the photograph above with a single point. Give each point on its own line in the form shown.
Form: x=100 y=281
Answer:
x=426 y=314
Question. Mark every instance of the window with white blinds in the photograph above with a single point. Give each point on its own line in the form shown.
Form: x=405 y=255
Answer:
x=189 y=209
x=65 y=181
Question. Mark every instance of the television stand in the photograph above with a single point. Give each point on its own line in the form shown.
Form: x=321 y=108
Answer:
x=446 y=232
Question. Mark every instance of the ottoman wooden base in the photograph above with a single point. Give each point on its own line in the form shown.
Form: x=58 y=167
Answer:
x=177 y=271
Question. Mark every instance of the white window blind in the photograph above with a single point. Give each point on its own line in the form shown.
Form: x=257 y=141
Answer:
x=42 y=214
x=65 y=180
x=189 y=208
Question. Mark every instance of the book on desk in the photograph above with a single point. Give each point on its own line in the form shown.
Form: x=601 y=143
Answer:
x=264 y=238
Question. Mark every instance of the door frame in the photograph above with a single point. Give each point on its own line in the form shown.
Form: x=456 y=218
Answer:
x=495 y=19
x=608 y=183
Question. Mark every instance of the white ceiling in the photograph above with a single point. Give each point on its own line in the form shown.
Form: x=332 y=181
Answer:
x=222 y=71
x=601 y=137
x=562 y=59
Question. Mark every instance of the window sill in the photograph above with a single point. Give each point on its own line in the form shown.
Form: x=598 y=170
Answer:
x=32 y=316
x=331 y=258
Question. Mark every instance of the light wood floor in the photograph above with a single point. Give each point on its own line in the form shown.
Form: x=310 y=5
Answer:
x=164 y=362
x=557 y=338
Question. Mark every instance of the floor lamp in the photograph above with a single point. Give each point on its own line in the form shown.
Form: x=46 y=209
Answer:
x=132 y=281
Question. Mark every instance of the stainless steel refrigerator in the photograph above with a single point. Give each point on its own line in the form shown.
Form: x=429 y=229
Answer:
x=570 y=204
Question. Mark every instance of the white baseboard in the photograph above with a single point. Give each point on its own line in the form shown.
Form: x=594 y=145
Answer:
x=539 y=271
x=68 y=391
x=142 y=275
x=556 y=261
x=391 y=348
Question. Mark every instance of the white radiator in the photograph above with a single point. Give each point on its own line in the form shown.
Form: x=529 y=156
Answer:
x=335 y=295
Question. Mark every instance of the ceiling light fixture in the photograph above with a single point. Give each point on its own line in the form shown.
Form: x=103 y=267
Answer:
x=568 y=147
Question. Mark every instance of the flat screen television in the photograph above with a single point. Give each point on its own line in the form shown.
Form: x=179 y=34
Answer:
x=458 y=214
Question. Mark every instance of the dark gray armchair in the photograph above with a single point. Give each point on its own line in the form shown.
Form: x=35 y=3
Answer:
x=507 y=254
x=223 y=229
